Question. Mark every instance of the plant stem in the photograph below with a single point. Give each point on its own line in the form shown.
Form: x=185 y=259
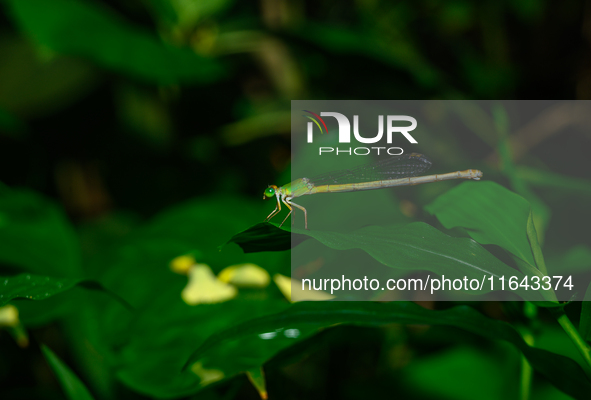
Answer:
x=532 y=236
x=576 y=338
x=526 y=369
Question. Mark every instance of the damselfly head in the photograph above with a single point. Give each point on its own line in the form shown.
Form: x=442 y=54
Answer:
x=269 y=192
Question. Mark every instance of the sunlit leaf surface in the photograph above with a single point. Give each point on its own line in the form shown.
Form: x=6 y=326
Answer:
x=417 y=246
x=490 y=214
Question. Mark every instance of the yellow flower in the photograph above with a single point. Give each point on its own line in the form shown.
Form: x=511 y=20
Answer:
x=245 y=275
x=9 y=316
x=205 y=287
x=284 y=284
x=182 y=264
x=9 y=319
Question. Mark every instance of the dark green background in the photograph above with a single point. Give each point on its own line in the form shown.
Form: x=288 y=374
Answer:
x=132 y=132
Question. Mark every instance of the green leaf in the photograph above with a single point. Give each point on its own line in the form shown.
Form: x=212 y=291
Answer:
x=36 y=236
x=266 y=237
x=159 y=342
x=256 y=376
x=490 y=214
x=33 y=287
x=563 y=372
x=417 y=246
x=105 y=38
x=34 y=314
x=36 y=287
x=71 y=384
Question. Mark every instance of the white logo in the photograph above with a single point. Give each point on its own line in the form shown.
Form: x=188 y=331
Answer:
x=345 y=128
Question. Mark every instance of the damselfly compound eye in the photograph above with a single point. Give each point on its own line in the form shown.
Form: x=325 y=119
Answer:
x=270 y=192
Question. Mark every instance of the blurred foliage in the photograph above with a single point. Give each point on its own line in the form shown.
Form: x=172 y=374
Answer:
x=71 y=384
x=135 y=132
